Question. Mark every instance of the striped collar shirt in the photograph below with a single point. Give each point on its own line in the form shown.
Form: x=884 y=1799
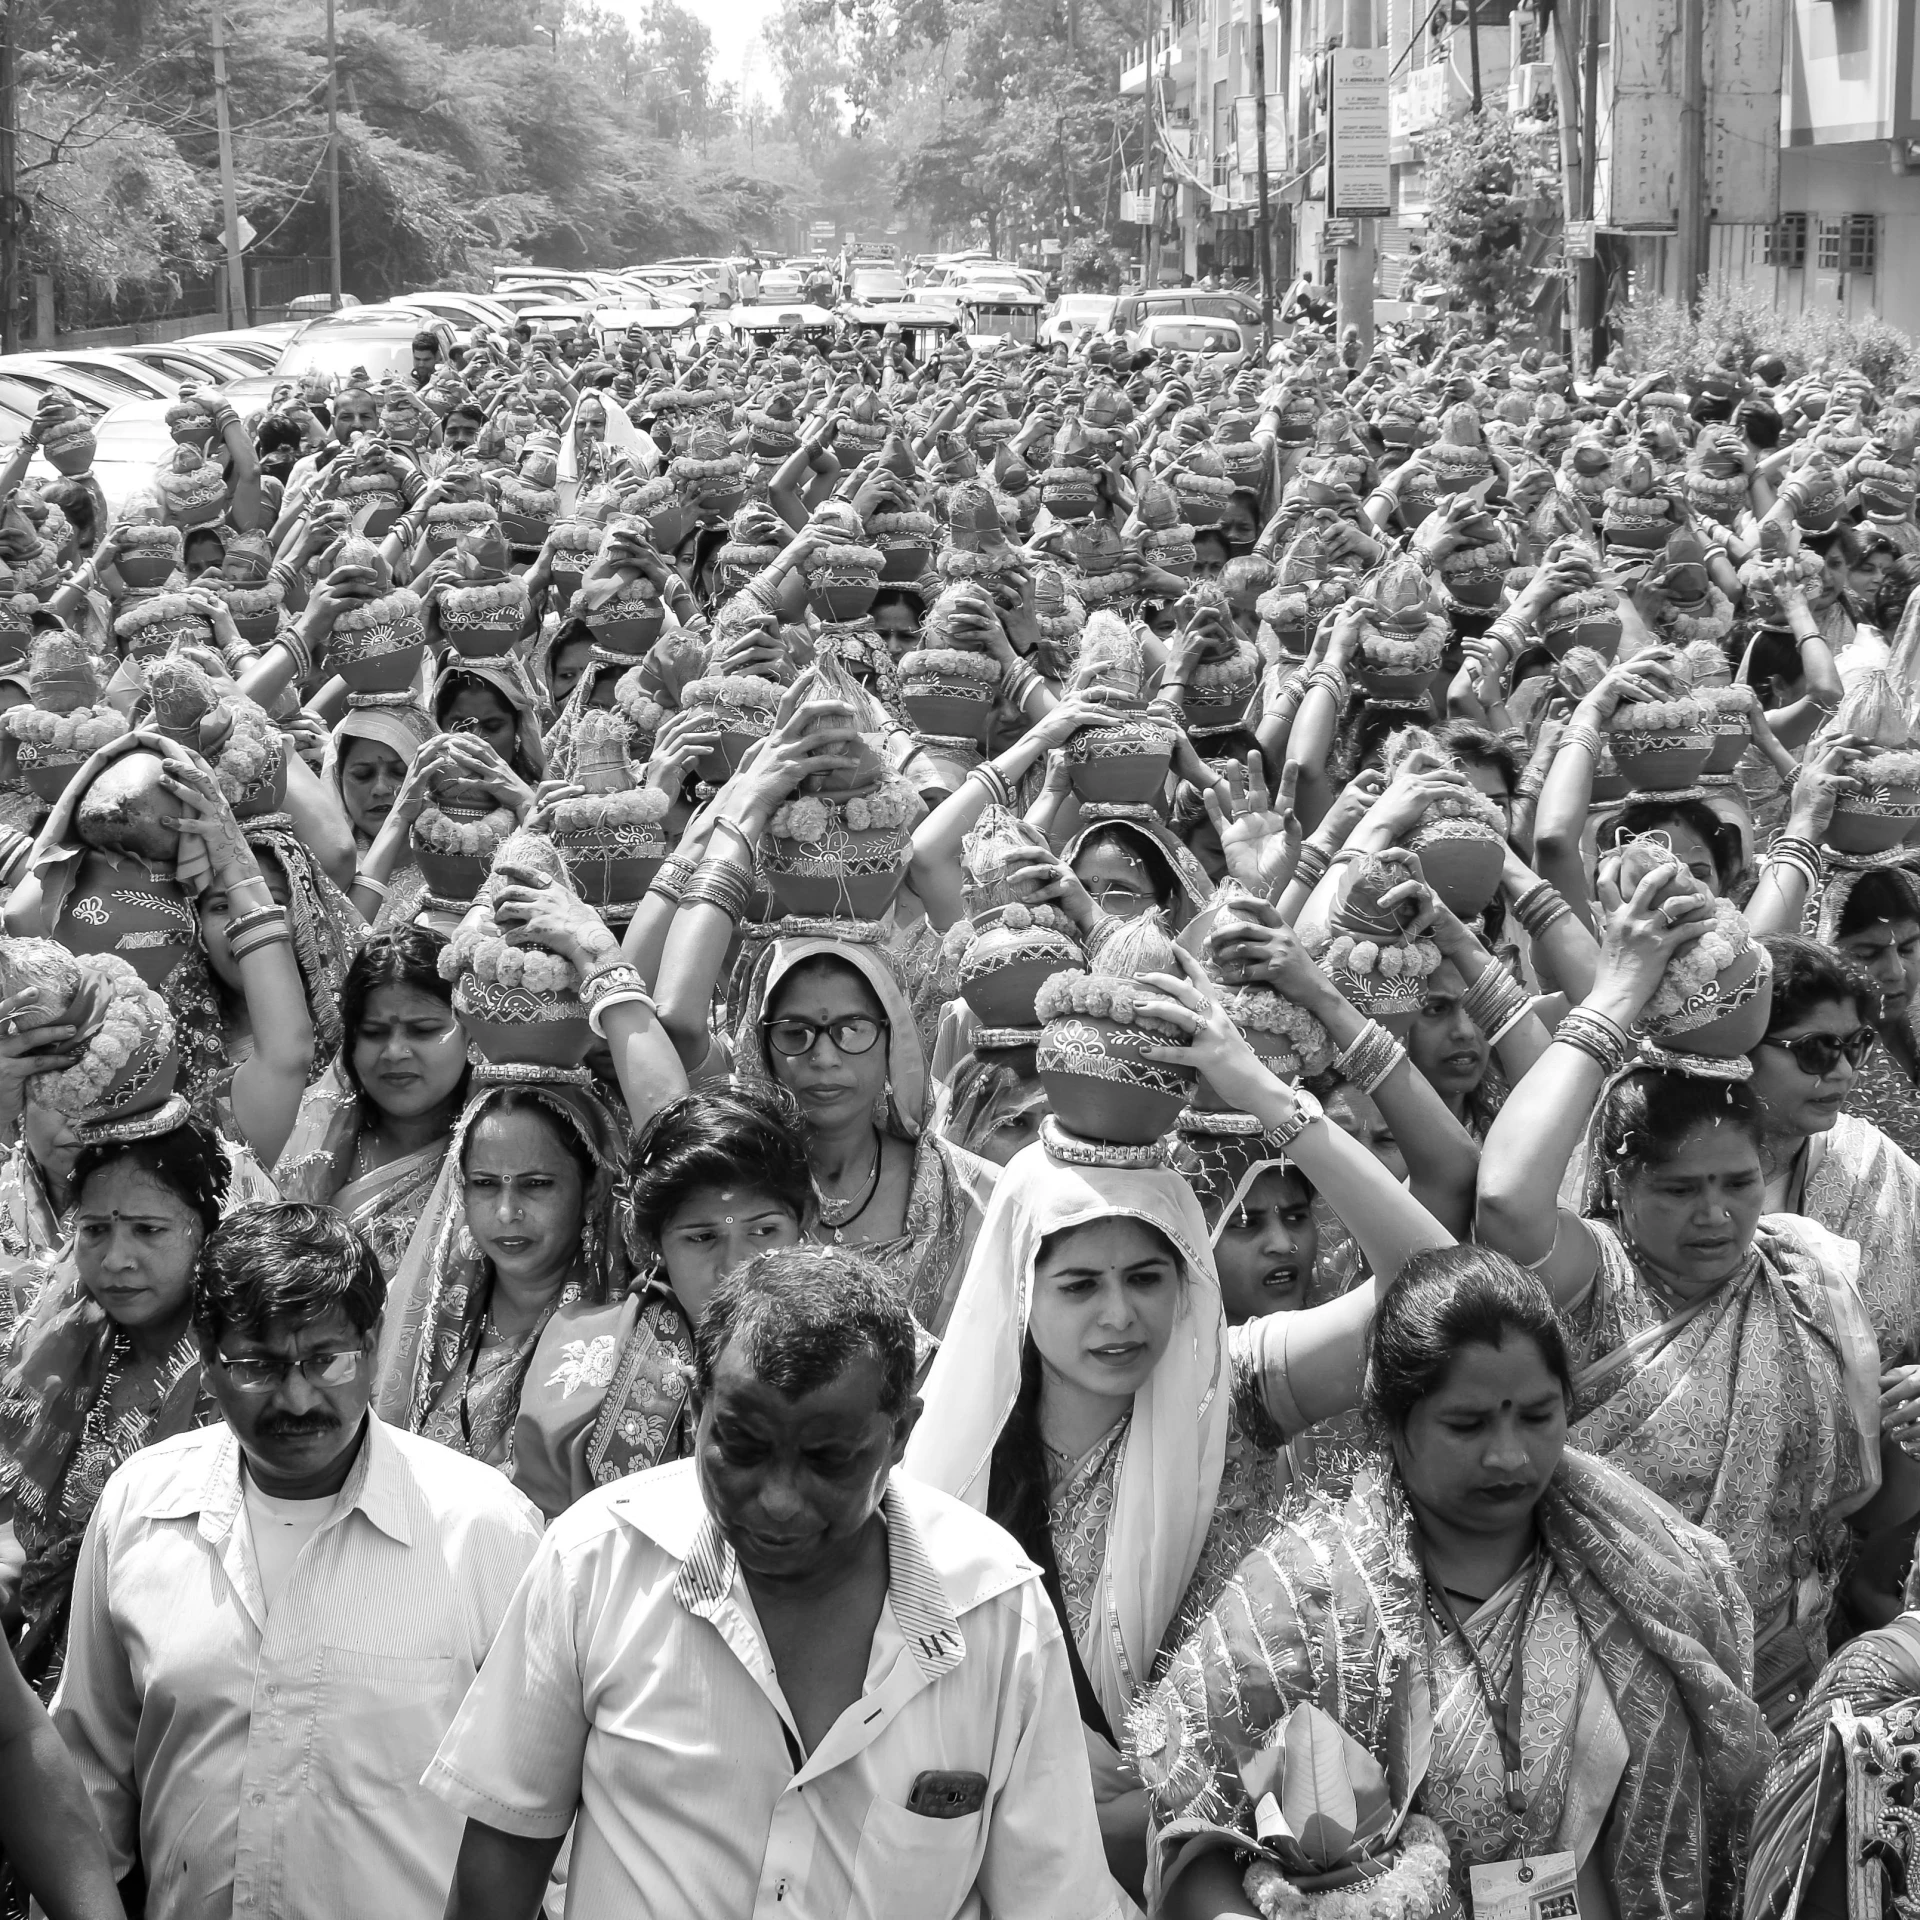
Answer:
x=631 y=1687
x=268 y=1763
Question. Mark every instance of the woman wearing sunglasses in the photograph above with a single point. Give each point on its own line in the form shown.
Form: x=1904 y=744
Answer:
x=828 y=1022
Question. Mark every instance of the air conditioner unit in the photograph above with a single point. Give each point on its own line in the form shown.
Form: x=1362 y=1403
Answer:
x=1528 y=85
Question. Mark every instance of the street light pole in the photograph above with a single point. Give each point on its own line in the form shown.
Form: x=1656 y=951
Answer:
x=333 y=166
x=236 y=302
x=1264 y=227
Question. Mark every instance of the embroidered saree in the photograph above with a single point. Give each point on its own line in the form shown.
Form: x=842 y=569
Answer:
x=1754 y=1413
x=1861 y=1187
x=1639 y=1742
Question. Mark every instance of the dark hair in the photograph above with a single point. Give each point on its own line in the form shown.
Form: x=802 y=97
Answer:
x=188 y=1161
x=1807 y=975
x=731 y=1138
x=1140 y=846
x=1774 y=653
x=802 y=1315
x=405 y=956
x=1649 y=1115
x=466 y=410
x=77 y=504
x=512 y=1099
x=1895 y=589
x=1443 y=1300
x=1760 y=423
x=1878 y=896
x=1477 y=747
x=828 y=963
x=1650 y=812
x=287 y=1261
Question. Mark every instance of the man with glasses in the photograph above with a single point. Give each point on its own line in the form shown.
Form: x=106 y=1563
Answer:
x=276 y=1617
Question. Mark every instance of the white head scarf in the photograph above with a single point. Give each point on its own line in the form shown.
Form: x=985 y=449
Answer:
x=1163 y=1501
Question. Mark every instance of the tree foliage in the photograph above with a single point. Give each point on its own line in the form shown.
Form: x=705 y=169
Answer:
x=1482 y=192
x=471 y=130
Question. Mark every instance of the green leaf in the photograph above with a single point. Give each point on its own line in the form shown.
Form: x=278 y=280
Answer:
x=1317 y=1797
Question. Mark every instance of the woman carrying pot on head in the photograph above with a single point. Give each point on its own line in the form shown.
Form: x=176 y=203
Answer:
x=494 y=703
x=1726 y=1358
x=376 y=745
x=1087 y=1394
x=105 y=1361
x=1541 y=1657
x=373 y=1129
x=716 y=1178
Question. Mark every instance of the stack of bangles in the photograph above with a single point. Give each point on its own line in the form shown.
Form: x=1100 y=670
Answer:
x=1600 y=1038
x=670 y=878
x=291 y=638
x=1017 y=682
x=1510 y=636
x=1374 y=1055
x=1495 y=1004
x=724 y=883
x=1542 y=906
x=1311 y=868
x=263 y=927
x=612 y=984
x=1804 y=856
x=362 y=878
x=993 y=780
x=1582 y=733
x=1335 y=683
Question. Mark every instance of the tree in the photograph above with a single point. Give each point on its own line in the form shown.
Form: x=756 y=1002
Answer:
x=1482 y=199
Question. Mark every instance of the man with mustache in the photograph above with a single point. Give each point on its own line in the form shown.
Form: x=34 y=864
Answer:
x=276 y=1617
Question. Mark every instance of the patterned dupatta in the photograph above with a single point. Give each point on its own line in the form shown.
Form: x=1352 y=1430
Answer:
x=1754 y=1412
x=1861 y=1187
x=1329 y=1610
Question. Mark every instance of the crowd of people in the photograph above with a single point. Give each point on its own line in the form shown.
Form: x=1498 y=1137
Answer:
x=1039 y=1133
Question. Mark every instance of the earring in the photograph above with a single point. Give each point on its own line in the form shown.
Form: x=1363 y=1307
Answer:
x=591 y=1248
x=883 y=1105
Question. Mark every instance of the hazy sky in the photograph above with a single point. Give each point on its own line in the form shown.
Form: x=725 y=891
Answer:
x=737 y=51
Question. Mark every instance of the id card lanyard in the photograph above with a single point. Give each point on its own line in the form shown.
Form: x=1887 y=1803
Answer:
x=1505 y=1713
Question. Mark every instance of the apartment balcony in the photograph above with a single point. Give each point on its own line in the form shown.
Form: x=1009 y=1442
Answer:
x=1169 y=56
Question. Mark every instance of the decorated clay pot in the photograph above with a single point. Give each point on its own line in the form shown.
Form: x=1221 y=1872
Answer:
x=451 y=876
x=1393 y=686
x=120 y=905
x=1120 y=766
x=629 y=626
x=1101 y=1085
x=480 y=632
x=612 y=867
x=1589 y=618
x=45 y=771
x=1872 y=820
x=1004 y=967
x=1728 y=1019
x=517 y=1026
x=851 y=875
x=1276 y=1053
x=524 y=529
x=146 y=568
x=1463 y=862
x=1726 y=709
x=1661 y=762
x=71 y=455
x=906 y=549
x=255 y=610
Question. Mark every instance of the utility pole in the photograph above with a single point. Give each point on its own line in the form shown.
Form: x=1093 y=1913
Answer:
x=229 y=203
x=9 y=194
x=1473 y=49
x=1150 y=233
x=1264 y=219
x=1354 y=268
x=1565 y=90
x=333 y=165
x=1690 y=183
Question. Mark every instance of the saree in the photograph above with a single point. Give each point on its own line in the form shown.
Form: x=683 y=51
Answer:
x=1166 y=1465
x=325 y=926
x=75 y=1401
x=1846 y=1774
x=316 y=1165
x=1330 y=1610
x=430 y=1372
x=398 y=722
x=950 y=1187
x=1754 y=1412
x=509 y=679
x=1861 y=1187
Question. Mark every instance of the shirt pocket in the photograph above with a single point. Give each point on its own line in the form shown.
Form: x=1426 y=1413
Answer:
x=380 y=1722
x=911 y=1868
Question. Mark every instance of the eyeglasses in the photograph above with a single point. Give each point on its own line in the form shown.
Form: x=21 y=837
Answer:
x=796 y=1037
x=1820 y=1053
x=1122 y=900
x=316 y=1369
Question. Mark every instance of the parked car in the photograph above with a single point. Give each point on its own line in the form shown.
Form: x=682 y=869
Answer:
x=1075 y=315
x=1232 y=340
x=132 y=440
x=1132 y=310
x=192 y=361
x=874 y=283
x=377 y=347
x=305 y=305
x=82 y=383
x=133 y=377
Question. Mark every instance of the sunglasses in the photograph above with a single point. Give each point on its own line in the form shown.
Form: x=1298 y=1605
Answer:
x=317 y=1369
x=795 y=1037
x=1820 y=1053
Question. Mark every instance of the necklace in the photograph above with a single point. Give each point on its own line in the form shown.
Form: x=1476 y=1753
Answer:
x=836 y=1222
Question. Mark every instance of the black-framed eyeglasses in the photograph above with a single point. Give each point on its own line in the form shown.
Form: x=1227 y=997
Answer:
x=253 y=1375
x=1819 y=1053
x=794 y=1037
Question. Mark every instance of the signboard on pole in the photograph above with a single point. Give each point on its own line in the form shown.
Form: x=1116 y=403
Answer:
x=1359 y=162
x=1579 y=239
x=1137 y=207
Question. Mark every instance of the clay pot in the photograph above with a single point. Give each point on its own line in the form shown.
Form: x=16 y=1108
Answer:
x=514 y=1026
x=1005 y=967
x=45 y=772
x=521 y=530
x=1120 y=766
x=148 y=567
x=452 y=876
x=1210 y=709
x=627 y=627
x=611 y=867
x=1730 y=737
x=1463 y=862
x=121 y=905
x=74 y=456
x=1726 y=1022
x=381 y=659
x=906 y=556
x=1101 y=1085
x=856 y=879
x=948 y=710
x=1661 y=762
x=480 y=636
x=844 y=599
x=1393 y=686
x=1873 y=822
x=267 y=795
x=1276 y=1053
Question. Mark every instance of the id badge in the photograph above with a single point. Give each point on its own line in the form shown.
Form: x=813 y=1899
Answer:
x=1543 y=1886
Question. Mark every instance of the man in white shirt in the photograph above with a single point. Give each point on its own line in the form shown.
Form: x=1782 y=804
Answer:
x=274 y=1619
x=779 y=1680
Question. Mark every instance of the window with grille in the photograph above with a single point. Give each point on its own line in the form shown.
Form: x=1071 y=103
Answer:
x=1220 y=41
x=1828 y=258
x=1859 y=235
x=1787 y=241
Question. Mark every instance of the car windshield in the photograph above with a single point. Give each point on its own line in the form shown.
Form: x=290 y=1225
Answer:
x=1007 y=323
x=1218 y=306
x=336 y=354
